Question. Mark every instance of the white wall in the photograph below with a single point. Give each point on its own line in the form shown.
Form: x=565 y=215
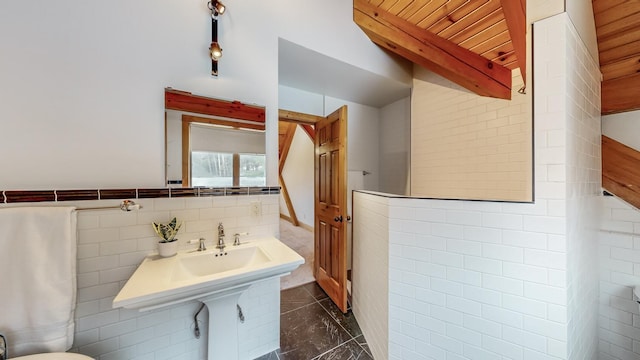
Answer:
x=541 y=9
x=362 y=143
x=623 y=127
x=84 y=78
x=299 y=178
x=298 y=174
x=581 y=14
x=300 y=100
x=363 y=124
x=394 y=143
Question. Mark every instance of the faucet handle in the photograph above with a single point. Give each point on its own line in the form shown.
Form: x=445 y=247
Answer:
x=236 y=240
x=200 y=242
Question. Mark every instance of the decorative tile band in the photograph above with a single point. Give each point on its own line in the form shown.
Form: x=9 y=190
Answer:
x=70 y=195
x=114 y=194
x=19 y=196
x=153 y=193
x=16 y=196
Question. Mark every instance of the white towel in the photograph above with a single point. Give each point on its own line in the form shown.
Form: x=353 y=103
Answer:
x=37 y=278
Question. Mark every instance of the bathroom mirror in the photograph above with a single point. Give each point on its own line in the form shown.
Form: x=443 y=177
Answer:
x=213 y=143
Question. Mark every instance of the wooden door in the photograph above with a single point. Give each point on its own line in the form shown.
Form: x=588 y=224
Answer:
x=330 y=265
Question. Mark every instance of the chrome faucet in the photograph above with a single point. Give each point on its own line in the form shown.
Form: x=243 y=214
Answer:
x=221 y=244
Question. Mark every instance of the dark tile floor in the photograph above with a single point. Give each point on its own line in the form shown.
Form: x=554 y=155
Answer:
x=313 y=328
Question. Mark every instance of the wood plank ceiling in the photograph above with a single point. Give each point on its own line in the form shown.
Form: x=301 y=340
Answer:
x=472 y=43
x=618 y=32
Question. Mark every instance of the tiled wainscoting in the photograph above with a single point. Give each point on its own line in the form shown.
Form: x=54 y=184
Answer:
x=111 y=243
x=619 y=259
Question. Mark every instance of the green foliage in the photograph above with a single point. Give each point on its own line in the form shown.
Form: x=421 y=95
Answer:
x=167 y=231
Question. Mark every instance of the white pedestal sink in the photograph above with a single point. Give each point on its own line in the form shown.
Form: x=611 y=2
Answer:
x=213 y=277
x=223 y=319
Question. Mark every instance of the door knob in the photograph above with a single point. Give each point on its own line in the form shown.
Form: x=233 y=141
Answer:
x=338 y=218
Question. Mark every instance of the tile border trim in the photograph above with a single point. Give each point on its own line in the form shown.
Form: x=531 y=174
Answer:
x=21 y=196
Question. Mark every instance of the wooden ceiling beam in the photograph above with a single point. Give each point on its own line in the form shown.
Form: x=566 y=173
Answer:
x=297 y=117
x=310 y=130
x=515 y=12
x=619 y=95
x=620 y=171
x=463 y=67
x=290 y=131
x=185 y=101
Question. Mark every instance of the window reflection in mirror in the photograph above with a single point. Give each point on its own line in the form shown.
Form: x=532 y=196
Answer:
x=218 y=169
x=218 y=156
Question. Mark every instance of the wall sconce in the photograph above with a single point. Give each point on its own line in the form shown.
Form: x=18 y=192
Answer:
x=215 y=51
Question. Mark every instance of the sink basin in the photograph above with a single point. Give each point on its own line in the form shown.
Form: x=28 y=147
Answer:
x=214 y=262
x=190 y=275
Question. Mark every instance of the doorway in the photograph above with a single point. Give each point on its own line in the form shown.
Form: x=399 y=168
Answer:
x=328 y=154
x=295 y=150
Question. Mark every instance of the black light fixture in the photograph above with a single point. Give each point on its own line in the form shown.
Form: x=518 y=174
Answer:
x=215 y=51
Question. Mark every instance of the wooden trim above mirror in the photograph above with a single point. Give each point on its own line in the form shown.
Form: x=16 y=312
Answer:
x=186 y=101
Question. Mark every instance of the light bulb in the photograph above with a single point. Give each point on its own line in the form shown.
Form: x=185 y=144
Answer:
x=220 y=8
x=215 y=51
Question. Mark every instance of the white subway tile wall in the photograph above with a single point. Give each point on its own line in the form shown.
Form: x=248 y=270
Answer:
x=464 y=146
x=371 y=271
x=619 y=259
x=112 y=243
x=470 y=280
x=583 y=204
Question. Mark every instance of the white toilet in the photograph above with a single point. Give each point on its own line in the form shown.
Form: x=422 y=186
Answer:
x=43 y=356
x=53 y=356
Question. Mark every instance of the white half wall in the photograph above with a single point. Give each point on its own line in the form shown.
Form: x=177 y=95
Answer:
x=370 y=286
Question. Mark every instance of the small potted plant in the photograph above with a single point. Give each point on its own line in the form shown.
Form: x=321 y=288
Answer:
x=168 y=246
